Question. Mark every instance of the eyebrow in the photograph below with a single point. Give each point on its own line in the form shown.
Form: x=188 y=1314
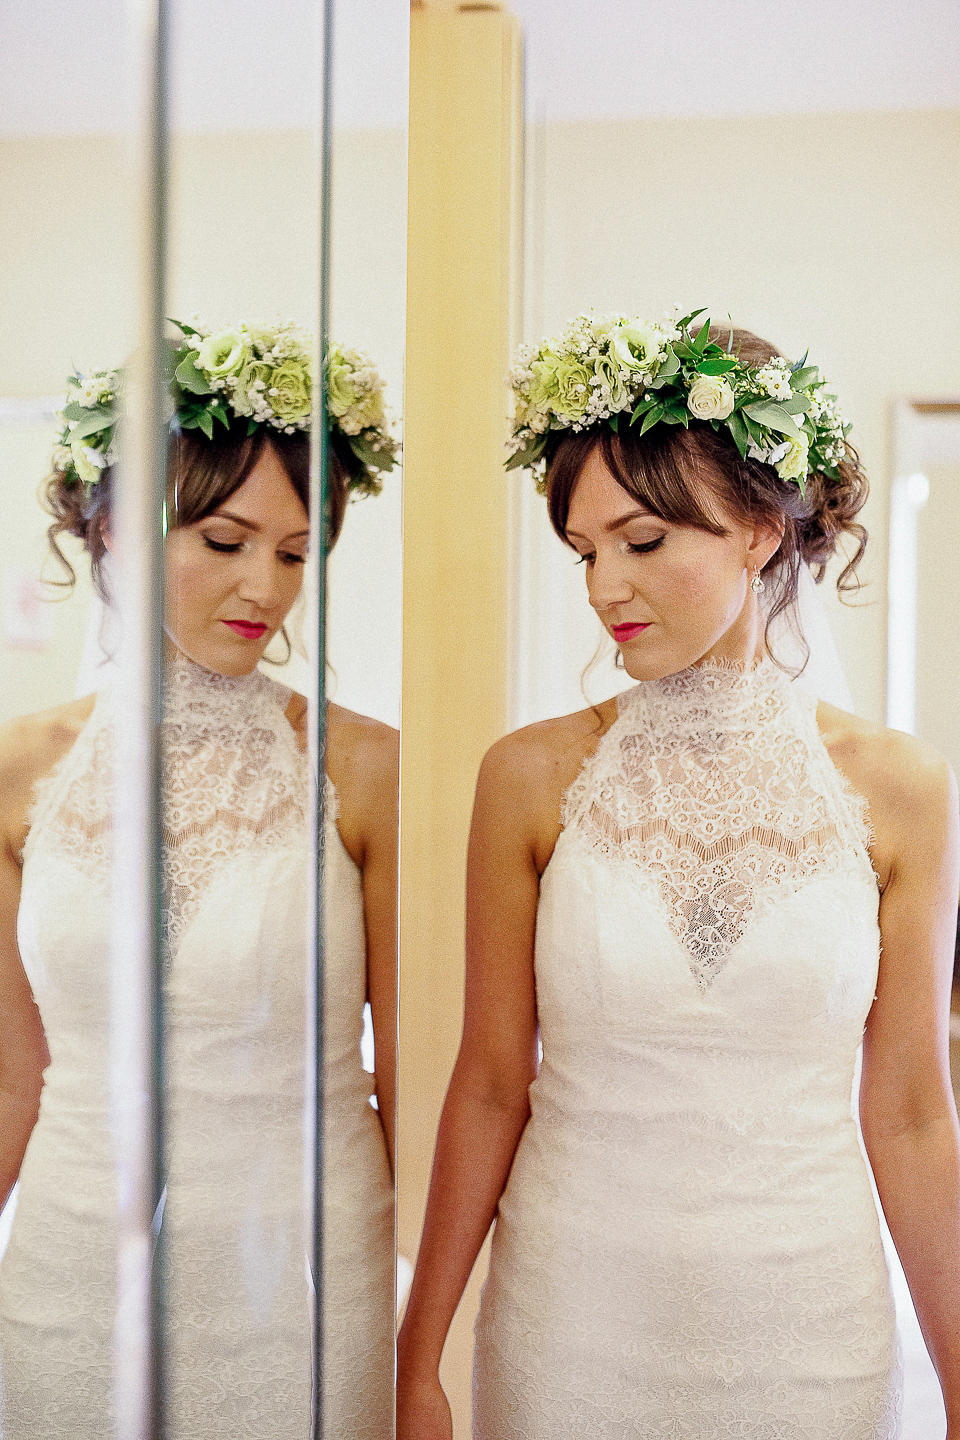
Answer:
x=617 y=524
x=249 y=524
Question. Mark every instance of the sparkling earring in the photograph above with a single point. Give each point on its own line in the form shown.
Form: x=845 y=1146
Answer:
x=756 y=584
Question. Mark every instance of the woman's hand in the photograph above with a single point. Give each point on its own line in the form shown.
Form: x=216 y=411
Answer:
x=423 y=1412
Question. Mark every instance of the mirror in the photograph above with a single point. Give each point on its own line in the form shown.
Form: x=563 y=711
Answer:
x=246 y=235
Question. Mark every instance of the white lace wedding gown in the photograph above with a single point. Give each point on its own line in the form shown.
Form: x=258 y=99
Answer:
x=687 y=1245
x=235 y=849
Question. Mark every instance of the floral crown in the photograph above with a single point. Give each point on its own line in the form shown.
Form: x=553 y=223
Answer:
x=662 y=373
x=259 y=373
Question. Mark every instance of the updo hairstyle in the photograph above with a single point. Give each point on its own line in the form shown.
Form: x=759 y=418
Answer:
x=674 y=472
x=202 y=474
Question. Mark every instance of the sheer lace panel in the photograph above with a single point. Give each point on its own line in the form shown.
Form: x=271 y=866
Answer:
x=715 y=783
x=252 y=791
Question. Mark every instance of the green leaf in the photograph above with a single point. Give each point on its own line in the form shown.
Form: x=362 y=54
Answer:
x=651 y=418
x=753 y=429
x=773 y=416
x=219 y=413
x=191 y=378
x=688 y=319
x=669 y=367
x=252 y=429
x=205 y=422
x=801 y=378
x=800 y=363
x=685 y=352
x=528 y=454
x=615 y=423
x=73 y=411
x=93 y=424
x=738 y=430
x=700 y=339
x=642 y=408
x=182 y=326
x=717 y=367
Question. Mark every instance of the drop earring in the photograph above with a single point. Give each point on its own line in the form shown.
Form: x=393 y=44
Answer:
x=756 y=584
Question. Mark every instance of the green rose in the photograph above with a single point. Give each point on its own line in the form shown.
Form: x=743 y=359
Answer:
x=341 y=391
x=290 y=392
x=561 y=384
x=224 y=353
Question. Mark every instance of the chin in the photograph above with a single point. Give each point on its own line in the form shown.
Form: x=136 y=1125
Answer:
x=228 y=660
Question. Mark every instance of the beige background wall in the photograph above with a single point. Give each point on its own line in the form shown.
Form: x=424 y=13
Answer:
x=837 y=232
x=243 y=244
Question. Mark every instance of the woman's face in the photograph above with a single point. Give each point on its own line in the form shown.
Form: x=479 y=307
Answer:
x=670 y=595
x=232 y=577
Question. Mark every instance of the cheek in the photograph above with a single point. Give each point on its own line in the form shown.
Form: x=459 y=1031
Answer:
x=704 y=581
x=191 y=584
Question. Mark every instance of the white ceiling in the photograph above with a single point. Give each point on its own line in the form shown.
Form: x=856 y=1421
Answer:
x=251 y=64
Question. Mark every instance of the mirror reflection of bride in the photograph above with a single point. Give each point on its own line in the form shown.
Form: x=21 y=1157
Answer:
x=235 y=847
x=682 y=894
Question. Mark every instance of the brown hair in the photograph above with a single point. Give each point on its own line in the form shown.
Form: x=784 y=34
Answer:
x=201 y=475
x=674 y=471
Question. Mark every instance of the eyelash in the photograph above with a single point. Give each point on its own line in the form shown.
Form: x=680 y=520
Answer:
x=222 y=548
x=644 y=549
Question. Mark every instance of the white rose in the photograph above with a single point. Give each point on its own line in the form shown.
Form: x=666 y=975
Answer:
x=710 y=398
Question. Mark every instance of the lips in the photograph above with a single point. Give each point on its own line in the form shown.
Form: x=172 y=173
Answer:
x=247 y=629
x=622 y=633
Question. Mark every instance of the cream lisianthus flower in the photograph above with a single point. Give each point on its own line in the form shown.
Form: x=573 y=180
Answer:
x=249 y=387
x=638 y=347
x=341 y=389
x=290 y=392
x=610 y=375
x=710 y=398
x=796 y=462
x=87 y=461
x=223 y=353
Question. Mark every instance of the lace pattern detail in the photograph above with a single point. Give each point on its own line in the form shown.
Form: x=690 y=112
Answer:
x=234 y=734
x=715 y=782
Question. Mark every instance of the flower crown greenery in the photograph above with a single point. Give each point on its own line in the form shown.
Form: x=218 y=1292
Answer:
x=258 y=373
x=662 y=373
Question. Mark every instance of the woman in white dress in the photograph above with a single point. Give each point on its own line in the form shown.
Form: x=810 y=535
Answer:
x=236 y=790
x=682 y=894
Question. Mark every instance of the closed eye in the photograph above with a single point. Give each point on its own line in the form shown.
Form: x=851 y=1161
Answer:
x=221 y=547
x=647 y=546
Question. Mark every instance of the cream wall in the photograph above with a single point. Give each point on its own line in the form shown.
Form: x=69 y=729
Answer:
x=243 y=244
x=837 y=232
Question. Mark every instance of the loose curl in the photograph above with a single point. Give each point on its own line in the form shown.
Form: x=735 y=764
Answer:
x=673 y=472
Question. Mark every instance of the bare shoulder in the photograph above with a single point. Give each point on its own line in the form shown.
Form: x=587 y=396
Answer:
x=359 y=748
x=30 y=747
x=909 y=787
x=524 y=776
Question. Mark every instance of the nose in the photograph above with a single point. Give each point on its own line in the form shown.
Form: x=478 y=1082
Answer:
x=260 y=579
x=608 y=583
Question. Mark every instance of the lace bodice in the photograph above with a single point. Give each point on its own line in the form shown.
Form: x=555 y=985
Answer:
x=687 y=1247
x=234 y=777
x=714 y=781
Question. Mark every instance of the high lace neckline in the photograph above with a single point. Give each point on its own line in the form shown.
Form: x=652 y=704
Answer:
x=188 y=685
x=709 y=703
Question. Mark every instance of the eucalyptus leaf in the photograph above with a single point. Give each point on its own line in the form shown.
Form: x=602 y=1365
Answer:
x=800 y=379
x=773 y=416
x=669 y=367
x=797 y=404
x=191 y=378
x=753 y=429
x=93 y=424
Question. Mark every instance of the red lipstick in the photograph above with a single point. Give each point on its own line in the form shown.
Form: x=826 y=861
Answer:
x=248 y=629
x=622 y=633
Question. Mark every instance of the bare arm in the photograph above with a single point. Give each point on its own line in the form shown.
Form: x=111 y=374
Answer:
x=487 y=1104
x=907 y=1108
x=380 y=913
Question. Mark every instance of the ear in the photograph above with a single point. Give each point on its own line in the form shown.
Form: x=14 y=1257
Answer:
x=763 y=543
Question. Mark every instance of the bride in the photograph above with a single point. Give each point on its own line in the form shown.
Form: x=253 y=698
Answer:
x=235 y=801
x=681 y=895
